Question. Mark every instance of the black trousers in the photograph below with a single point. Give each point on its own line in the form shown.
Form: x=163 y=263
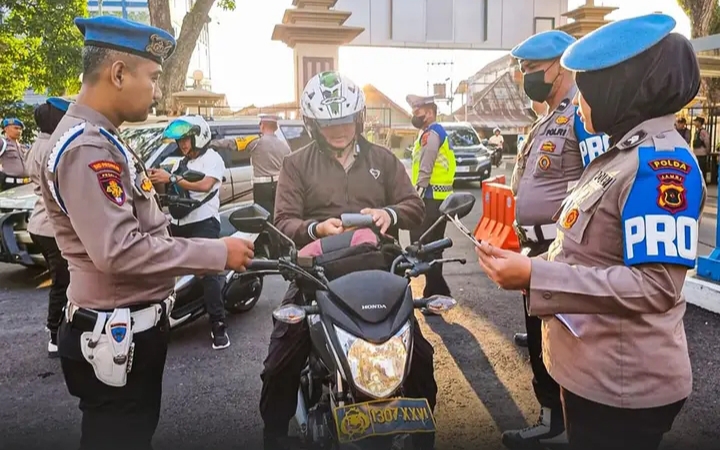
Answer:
x=435 y=283
x=58 y=267
x=212 y=284
x=547 y=391
x=594 y=426
x=287 y=356
x=264 y=195
x=117 y=418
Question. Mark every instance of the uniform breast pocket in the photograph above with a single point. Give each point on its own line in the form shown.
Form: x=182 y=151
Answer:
x=577 y=215
x=549 y=161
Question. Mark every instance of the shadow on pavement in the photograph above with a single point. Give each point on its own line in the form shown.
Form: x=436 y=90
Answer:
x=475 y=365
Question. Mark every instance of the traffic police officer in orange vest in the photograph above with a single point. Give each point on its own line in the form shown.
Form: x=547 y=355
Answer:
x=433 y=174
x=550 y=162
x=103 y=208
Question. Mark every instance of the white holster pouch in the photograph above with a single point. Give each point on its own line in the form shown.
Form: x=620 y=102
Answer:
x=110 y=354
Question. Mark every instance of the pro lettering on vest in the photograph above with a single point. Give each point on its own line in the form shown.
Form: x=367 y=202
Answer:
x=661 y=214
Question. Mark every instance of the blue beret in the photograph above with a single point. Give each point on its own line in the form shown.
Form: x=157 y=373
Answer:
x=59 y=103
x=12 y=121
x=542 y=46
x=617 y=42
x=127 y=36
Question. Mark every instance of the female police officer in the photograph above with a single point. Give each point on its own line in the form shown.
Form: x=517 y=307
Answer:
x=609 y=290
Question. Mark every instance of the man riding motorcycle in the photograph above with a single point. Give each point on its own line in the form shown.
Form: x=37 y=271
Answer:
x=339 y=172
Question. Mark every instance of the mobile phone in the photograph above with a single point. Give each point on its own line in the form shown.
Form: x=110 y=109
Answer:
x=459 y=225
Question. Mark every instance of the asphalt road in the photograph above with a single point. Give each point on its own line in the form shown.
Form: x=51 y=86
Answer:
x=210 y=398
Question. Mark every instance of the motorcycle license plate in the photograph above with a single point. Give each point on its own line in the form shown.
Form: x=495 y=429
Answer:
x=382 y=418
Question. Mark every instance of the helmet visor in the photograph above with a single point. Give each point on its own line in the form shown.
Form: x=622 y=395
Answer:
x=180 y=129
x=324 y=123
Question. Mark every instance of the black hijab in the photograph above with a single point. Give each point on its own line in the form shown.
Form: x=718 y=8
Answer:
x=655 y=83
x=47 y=117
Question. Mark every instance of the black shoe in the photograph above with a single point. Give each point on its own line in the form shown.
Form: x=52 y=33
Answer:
x=219 y=336
x=548 y=432
x=52 y=345
x=520 y=339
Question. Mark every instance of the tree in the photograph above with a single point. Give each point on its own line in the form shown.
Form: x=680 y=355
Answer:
x=41 y=50
x=176 y=67
x=704 y=18
x=45 y=44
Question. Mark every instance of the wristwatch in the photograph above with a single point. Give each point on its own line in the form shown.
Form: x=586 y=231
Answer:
x=173 y=179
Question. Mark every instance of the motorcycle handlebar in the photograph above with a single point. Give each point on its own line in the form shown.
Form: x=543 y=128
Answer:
x=263 y=264
x=435 y=246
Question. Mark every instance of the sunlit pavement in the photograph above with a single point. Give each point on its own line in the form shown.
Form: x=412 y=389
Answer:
x=211 y=397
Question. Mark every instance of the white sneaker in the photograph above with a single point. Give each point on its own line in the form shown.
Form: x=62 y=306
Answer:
x=544 y=433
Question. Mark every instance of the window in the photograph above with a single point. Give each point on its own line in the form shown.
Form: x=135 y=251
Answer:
x=296 y=136
x=544 y=24
x=143 y=141
x=462 y=137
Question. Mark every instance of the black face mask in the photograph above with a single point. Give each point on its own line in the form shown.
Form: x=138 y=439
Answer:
x=418 y=121
x=535 y=86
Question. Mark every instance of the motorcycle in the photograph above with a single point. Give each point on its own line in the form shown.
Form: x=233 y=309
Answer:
x=361 y=329
x=241 y=290
x=495 y=154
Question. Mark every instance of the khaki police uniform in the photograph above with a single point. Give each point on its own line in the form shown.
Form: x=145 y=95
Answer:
x=12 y=163
x=551 y=160
x=123 y=264
x=609 y=289
x=266 y=156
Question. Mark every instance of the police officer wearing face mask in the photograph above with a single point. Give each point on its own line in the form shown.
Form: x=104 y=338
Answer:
x=433 y=173
x=550 y=162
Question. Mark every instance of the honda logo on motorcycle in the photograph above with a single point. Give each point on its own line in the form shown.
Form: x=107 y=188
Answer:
x=364 y=307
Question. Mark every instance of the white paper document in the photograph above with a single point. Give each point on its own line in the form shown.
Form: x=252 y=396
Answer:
x=567 y=320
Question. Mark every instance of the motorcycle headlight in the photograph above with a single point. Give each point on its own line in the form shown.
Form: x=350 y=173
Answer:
x=377 y=370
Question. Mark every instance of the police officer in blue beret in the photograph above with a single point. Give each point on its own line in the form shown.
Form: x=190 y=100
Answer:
x=609 y=289
x=12 y=154
x=550 y=161
x=102 y=206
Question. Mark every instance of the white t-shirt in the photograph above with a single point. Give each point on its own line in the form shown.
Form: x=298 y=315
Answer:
x=212 y=165
x=497 y=140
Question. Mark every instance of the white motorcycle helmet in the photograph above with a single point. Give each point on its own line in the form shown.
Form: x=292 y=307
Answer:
x=190 y=126
x=331 y=99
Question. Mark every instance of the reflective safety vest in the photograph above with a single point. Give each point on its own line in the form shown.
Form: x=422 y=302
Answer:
x=443 y=173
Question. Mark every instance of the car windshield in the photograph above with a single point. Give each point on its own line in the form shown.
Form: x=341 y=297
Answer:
x=462 y=137
x=144 y=141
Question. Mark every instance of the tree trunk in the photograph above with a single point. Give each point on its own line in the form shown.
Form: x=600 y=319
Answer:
x=176 y=67
x=700 y=13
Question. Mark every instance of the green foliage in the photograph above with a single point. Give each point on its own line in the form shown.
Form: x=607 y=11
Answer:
x=23 y=112
x=227 y=5
x=41 y=47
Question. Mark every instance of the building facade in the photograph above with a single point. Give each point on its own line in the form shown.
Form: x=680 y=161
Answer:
x=137 y=10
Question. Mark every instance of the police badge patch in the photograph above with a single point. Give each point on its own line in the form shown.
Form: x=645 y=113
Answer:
x=158 y=46
x=671 y=193
x=112 y=187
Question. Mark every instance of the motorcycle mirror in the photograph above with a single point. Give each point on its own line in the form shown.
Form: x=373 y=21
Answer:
x=438 y=304
x=290 y=314
x=458 y=204
x=250 y=219
x=193 y=176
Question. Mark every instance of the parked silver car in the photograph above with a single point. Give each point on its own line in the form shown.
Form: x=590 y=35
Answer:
x=146 y=140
